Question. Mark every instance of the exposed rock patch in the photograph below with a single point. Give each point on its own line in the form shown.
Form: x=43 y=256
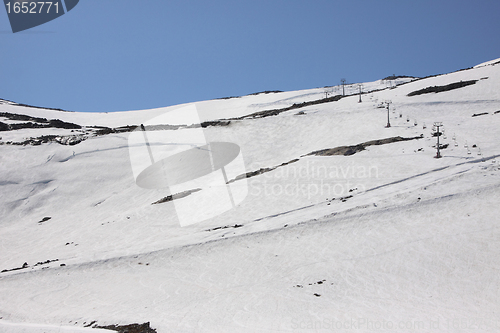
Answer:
x=45 y=262
x=132 y=328
x=45 y=219
x=33 y=122
x=69 y=140
x=351 y=150
x=275 y=112
x=206 y=124
x=448 y=87
x=176 y=196
x=260 y=171
x=25 y=265
x=226 y=227
x=257 y=93
x=395 y=77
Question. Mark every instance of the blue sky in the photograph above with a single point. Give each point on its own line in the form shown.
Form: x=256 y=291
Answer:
x=118 y=55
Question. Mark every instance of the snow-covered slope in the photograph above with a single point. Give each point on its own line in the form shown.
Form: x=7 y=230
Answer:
x=386 y=236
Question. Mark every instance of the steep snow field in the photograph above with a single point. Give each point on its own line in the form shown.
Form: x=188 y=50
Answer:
x=385 y=239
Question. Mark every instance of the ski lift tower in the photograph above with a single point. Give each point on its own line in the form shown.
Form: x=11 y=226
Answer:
x=343 y=81
x=360 y=89
x=387 y=103
x=436 y=127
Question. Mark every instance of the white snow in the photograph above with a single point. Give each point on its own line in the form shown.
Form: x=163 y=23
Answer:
x=416 y=247
x=8 y=327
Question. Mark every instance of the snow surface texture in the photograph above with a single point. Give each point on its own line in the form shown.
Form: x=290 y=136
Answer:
x=386 y=239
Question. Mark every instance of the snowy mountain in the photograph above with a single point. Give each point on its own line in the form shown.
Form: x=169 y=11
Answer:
x=342 y=223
